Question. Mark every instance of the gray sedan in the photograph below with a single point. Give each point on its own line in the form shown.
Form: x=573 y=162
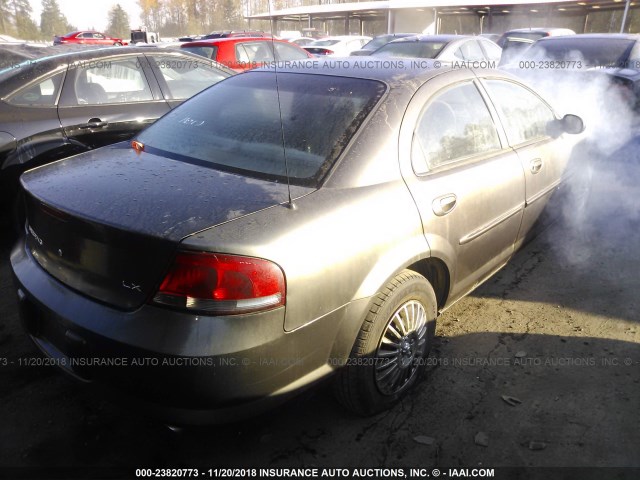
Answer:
x=314 y=227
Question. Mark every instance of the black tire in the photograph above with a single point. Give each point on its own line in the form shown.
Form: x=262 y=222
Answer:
x=117 y=44
x=386 y=363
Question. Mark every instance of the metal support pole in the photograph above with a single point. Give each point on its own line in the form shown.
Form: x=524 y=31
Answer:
x=624 y=16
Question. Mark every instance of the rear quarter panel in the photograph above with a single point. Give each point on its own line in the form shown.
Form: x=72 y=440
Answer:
x=336 y=246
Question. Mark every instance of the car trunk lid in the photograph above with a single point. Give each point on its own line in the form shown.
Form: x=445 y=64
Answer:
x=107 y=223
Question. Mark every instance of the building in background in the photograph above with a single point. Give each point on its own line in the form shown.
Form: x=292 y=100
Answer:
x=445 y=16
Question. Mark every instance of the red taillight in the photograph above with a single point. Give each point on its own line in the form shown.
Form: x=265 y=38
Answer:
x=327 y=52
x=222 y=284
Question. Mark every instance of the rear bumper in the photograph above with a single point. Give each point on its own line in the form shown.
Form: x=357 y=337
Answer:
x=178 y=367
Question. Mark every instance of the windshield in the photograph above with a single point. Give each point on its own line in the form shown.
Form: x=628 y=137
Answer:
x=526 y=35
x=412 y=49
x=378 y=42
x=235 y=125
x=593 y=52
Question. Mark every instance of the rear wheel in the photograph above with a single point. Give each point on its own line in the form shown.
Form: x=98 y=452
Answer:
x=117 y=44
x=388 y=357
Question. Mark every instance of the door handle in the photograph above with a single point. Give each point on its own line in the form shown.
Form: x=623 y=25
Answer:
x=535 y=165
x=95 y=123
x=444 y=204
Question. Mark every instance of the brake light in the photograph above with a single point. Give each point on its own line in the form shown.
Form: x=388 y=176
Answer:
x=327 y=52
x=222 y=284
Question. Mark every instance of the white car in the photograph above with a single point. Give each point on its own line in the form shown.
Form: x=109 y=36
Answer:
x=446 y=48
x=340 y=46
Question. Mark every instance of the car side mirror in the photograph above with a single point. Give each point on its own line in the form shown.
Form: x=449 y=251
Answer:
x=572 y=124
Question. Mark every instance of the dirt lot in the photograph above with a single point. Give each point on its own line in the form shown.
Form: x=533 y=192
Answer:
x=557 y=329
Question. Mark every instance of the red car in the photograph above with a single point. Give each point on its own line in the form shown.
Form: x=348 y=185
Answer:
x=87 y=37
x=244 y=53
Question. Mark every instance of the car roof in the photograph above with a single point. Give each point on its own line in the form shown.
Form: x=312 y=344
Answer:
x=398 y=34
x=343 y=37
x=431 y=38
x=213 y=41
x=537 y=30
x=60 y=55
x=592 y=36
x=88 y=31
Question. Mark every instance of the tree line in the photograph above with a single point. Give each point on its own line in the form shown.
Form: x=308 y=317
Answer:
x=169 y=17
x=16 y=20
x=181 y=17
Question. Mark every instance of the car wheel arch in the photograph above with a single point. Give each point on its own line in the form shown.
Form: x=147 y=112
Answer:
x=434 y=269
x=437 y=274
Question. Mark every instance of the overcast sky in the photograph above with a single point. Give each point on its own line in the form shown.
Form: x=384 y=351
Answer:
x=90 y=14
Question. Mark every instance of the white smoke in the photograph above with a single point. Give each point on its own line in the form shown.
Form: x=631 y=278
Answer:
x=602 y=198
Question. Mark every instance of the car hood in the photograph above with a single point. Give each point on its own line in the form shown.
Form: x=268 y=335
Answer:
x=150 y=194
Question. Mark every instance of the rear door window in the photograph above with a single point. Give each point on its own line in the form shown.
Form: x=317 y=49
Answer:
x=204 y=51
x=454 y=126
x=289 y=52
x=470 y=51
x=110 y=81
x=492 y=51
x=254 y=53
x=184 y=76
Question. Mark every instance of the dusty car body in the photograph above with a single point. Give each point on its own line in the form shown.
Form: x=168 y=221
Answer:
x=248 y=276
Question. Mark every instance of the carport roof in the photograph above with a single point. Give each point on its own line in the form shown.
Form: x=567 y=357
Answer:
x=326 y=9
x=378 y=8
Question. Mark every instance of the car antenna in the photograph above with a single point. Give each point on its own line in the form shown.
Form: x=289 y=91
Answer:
x=290 y=203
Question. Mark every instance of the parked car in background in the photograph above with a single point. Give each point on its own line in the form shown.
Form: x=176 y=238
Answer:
x=60 y=105
x=302 y=41
x=615 y=57
x=89 y=37
x=370 y=47
x=235 y=33
x=410 y=187
x=339 y=46
x=244 y=53
x=515 y=42
x=447 y=48
x=494 y=37
x=532 y=34
x=190 y=38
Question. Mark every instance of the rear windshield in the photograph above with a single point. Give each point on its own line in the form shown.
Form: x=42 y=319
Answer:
x=325 y=43
x=527 y=35
x=378 y=42
x=204 y=51
x=413 y=49
x=236 y=125
x=593 y=52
